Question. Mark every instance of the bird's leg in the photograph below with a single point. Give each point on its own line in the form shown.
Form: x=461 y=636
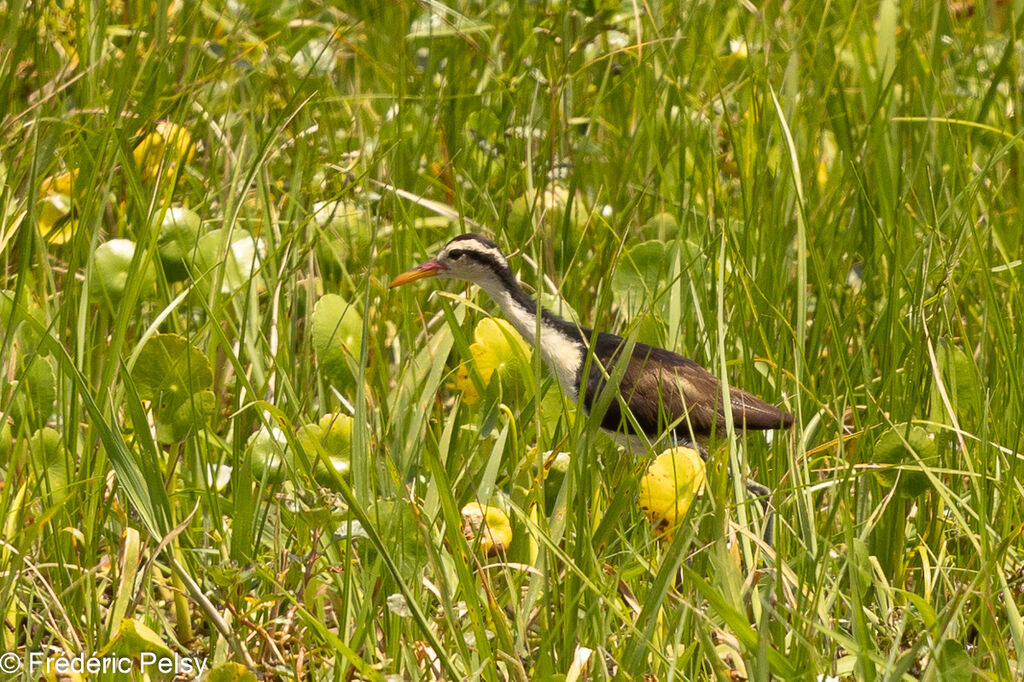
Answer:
x=761 y=492
x=764 y=495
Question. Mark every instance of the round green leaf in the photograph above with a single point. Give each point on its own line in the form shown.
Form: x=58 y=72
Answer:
x=111 y=265
x=268 y=450
x=337 y=335
x=179 y=234
x=330 y=441
x=639 y=274
x=49 y=462
x=176 y=377
x=34 y=396
x=898 y=446
x=235 y=265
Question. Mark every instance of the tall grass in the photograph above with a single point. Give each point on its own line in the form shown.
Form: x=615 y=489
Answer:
x=820 y=203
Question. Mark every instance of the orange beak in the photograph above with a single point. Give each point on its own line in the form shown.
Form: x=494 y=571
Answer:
x=431 y=268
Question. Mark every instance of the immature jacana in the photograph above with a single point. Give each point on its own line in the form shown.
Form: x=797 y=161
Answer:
x=667 y=394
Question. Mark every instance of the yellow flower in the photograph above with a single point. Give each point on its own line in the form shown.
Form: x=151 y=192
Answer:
x=169 y=147
x=667 y=489
x=487 y=525
x=497 y=348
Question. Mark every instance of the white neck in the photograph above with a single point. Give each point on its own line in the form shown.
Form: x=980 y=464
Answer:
x=563 y=354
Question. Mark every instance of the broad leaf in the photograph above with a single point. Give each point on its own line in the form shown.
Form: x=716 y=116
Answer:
x=176 y=377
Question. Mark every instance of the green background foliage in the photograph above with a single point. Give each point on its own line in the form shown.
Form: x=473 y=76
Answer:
x=818 y=201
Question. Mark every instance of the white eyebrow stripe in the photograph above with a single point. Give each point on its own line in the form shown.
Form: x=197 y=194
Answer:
x=476 y=247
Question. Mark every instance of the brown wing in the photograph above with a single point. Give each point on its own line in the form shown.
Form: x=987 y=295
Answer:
x=661 y=387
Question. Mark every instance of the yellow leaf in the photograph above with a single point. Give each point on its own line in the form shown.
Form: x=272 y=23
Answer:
x=60 y=183
x=487 y=525
x=166 y=148
x=497 y=348
x=134 y=637
x=61 y=668
x=53 y=209
x=667 y=489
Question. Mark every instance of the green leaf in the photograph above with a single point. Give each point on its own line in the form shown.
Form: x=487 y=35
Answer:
x=179 y=235
x=952 y=663
x=914 y=447
x=342 y=230
x=400 y=532
x=483 y=129
x=961 y=379
x=35 y=394
x=337 y=336
x=662 y=226
x=233 y=264
x=134 y=638
x=549 y=206
x=924 y=609
x=861 y=576
x=111 y=267
x=231 y=672
x=50 y=463
x=268 y=451
x=330 y=442
x=176 y=377
x=11 y=319
x=639 y=274
x=6 y=442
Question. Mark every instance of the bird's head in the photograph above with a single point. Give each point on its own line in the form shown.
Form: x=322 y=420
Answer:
x=471 y=257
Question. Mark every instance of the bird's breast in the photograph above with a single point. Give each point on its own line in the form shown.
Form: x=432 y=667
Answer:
x=562 y=353
x=565 y=358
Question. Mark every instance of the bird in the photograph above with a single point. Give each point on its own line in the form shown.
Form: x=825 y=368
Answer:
x=667 y=394
x=663 y=390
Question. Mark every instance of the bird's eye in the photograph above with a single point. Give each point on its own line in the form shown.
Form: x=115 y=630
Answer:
x=455 y=255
